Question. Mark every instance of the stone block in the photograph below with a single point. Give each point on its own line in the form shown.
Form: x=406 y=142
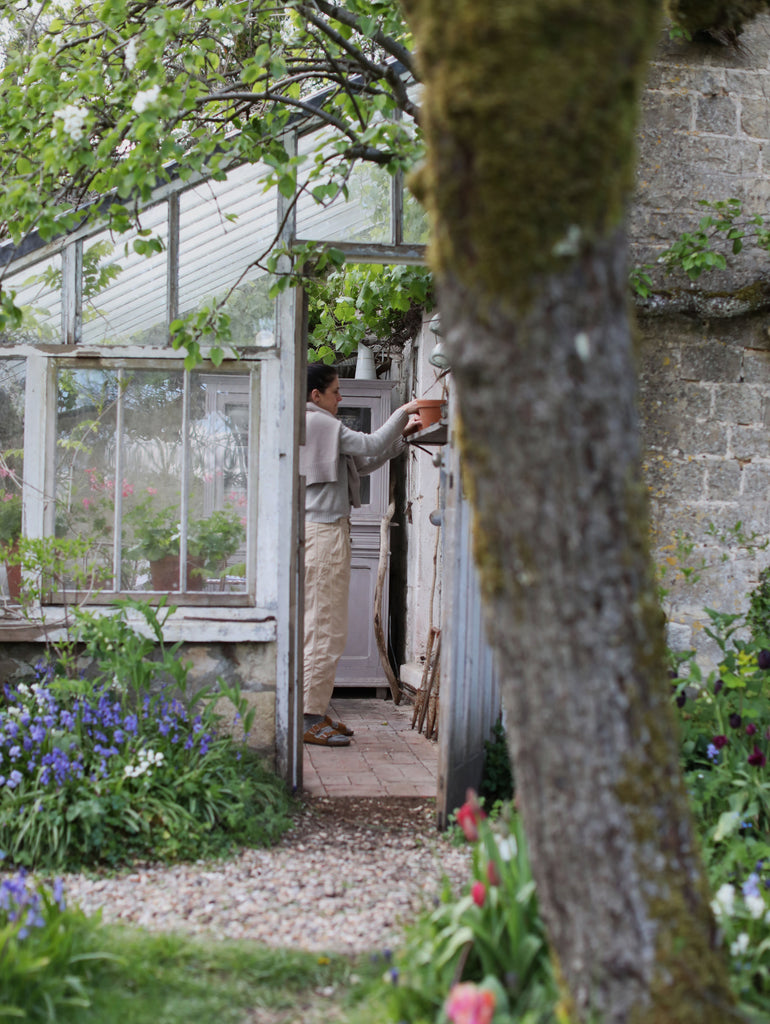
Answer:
x=716 y=114
x=262 y=733
x=738 y=403
x=756 y=482
x=755 y=117
x=754 y=83
x=756 y=365
x=664 y=112
x=674 y=481
x=749 y=443
x=713 y=361
x=723 y=480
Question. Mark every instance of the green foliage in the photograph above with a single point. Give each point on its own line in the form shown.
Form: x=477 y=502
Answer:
x=758 y=615
x=10 y=517
x=725 y=730
x=381 y=305
x=497 y=776
x=48 y=952
x=128 y=764
x=722 y=232
x=491 y=935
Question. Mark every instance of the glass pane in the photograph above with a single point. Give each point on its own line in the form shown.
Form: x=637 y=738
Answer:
x=363 y=217
x=12 y=385
x=153 y=454
x=38 y=293
x=124 y=292
x=415 y=227
x=359 y=417
x=224 y=226
x=219 y=448
x=86 y=416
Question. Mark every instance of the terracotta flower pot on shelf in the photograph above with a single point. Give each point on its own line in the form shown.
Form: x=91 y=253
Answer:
x=13 y=574
x=429 y=410
x=164 y=573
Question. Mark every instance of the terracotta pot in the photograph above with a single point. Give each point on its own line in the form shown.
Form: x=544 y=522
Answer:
x=13 y=574
x=429 y=410
x=165 y=573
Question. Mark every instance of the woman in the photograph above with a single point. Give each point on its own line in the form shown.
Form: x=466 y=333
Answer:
x=332 y=460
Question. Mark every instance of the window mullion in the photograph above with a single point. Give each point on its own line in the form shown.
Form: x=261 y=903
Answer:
x=72 y=293
x=117 y=539
x=185 y=483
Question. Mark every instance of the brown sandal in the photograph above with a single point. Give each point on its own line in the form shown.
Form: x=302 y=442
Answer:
x=339 y=727
x=323 y=734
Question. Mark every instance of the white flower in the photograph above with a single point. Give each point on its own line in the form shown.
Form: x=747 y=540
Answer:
x=506 y=846
x=130 y=54
x=740 y=945
x=755 y=906
x=144 y=98
x=723 y=903
x=74 y=119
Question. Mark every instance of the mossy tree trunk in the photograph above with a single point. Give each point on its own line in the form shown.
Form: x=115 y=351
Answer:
x=530 y=110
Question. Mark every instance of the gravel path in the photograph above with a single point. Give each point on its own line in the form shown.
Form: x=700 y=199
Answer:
x=346 y=879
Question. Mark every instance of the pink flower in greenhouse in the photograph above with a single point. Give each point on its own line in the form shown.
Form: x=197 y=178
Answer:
x=4 y=471
x=243 y=520
x=469 y=1004
x=87 y=502
x=152 y=490
x=478 y=893
x=8 y=496
x=127 y=489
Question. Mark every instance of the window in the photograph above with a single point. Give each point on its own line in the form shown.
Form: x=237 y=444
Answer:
x=152 y=470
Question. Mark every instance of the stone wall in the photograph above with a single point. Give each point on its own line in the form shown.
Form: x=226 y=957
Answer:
x=704 y=346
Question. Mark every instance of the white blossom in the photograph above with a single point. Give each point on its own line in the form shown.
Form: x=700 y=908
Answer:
x=74 y=119
x=131 y=54
x=506 y=846
x=740 y=945
x=755 y=906
x=723 y=903
x=144 y=98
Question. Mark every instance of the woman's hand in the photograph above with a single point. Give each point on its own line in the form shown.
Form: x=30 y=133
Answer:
x=410 y=407
x=414 y=424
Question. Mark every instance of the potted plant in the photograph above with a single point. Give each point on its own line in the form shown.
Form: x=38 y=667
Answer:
x=210 y=542
x=10 y=531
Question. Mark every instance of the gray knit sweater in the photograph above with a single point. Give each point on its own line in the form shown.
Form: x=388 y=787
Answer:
x=328 y=494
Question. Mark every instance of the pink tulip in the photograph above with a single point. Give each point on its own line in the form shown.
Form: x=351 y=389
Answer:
x=469 y=1004
x=478 y=893
x=469 y=816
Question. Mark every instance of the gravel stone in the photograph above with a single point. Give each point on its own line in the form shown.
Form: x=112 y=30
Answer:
x=346 y=878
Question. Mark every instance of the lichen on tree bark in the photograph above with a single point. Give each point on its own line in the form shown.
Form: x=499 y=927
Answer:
x=530 y=113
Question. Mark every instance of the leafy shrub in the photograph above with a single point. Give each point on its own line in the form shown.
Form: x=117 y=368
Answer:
x=127 y=765
x=47 y=951
x=497 y=775
x=725 y=722
x=491 y=938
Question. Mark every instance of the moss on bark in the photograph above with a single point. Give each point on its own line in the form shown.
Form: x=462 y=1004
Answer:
x=540 y=92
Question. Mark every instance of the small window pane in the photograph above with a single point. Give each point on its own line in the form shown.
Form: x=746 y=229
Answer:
x=363 y=217
x=124 y=291
x=86 y=410
x=224 y=227
x=12 y=385
x=219 y=435
x=38 y=294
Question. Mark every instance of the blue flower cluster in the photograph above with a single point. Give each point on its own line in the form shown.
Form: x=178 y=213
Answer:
x=51 y=742
x=22 y=903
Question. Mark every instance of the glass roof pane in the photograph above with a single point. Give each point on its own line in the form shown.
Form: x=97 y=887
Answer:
x=224 y=226
x=415 y=226
x=124 y=292
x=363 y=217
x=38 y=293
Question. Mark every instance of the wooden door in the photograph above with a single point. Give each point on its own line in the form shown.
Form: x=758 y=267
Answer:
x=366 y=405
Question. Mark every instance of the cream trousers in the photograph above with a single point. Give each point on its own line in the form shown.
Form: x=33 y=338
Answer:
x=327 y=585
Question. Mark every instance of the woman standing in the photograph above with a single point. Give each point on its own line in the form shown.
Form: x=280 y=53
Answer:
x=332 y=461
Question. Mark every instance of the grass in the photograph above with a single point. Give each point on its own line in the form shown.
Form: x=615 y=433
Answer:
x=172 y=979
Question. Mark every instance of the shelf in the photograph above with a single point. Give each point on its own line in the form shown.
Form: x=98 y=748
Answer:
x=436 y=433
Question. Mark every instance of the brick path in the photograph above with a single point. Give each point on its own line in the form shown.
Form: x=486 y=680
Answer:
x=386 y=757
